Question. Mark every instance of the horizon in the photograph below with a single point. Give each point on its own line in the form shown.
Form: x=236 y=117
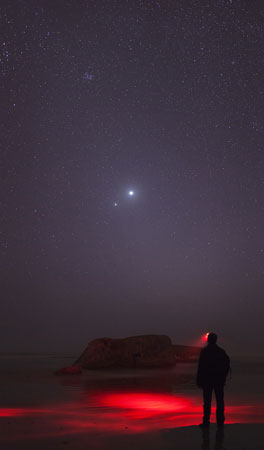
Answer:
x=63 y=353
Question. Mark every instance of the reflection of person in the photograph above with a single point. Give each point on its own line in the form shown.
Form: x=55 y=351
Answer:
x=219 y=439
x=213 y=368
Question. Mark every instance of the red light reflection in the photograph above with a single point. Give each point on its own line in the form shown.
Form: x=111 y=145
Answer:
x=11 y=412
x=120 y=412
x=150 y=402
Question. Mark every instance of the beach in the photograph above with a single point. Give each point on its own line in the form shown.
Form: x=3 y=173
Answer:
x=123 y=409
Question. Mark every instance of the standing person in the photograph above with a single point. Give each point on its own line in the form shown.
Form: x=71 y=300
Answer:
x=213 y=367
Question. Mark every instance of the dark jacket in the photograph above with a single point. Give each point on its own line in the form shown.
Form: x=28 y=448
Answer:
x=213 y=366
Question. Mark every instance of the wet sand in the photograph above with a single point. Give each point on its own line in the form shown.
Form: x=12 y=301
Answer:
x=125 y=409
x=232 y=437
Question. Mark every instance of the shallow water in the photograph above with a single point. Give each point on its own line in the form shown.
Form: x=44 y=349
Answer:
x=40 y=405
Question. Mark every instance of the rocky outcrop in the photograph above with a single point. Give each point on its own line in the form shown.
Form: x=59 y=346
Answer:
x=70 y=370
x=186 y=353
x=136 y=351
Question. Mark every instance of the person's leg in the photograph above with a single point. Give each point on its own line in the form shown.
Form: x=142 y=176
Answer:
x=207 y=397
x=220 y=407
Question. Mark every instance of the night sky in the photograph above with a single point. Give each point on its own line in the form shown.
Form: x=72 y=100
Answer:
x=132 y=172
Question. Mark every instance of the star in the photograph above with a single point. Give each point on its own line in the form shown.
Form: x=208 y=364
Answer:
x=131 y=193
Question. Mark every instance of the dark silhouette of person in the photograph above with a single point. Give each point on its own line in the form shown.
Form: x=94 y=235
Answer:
x=213 y=367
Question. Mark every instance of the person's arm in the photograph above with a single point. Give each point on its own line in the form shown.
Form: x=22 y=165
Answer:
x=228 y=368
x=199 y=375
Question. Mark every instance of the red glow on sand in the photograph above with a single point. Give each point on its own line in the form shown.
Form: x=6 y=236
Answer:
x=152 y=403
x=118 y=412
x=11 y=412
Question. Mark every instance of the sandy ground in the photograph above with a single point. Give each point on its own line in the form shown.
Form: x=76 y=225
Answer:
x=232 y=437
x=41 y=412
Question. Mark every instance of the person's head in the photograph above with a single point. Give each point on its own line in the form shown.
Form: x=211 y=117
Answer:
x=211 y=338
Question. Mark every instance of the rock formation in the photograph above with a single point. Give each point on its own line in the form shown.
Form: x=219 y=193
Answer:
x=186 y=353
x=136 y=351
x=70 y=370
